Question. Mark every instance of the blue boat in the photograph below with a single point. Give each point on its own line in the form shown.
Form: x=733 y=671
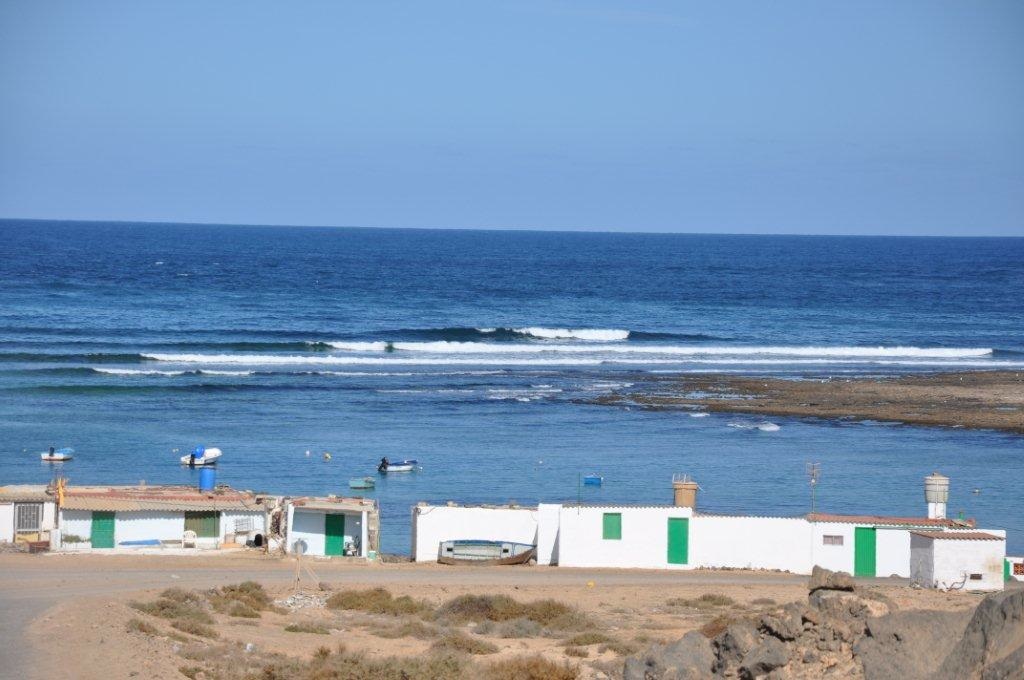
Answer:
x=593 y=480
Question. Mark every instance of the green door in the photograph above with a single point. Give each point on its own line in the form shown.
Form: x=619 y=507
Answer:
x=864 y=551
x=334 y=534
x=678 y=540
x=206 y=524
x=102 y=533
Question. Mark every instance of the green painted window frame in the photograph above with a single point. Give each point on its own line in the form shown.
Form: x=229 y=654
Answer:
x=611 y=526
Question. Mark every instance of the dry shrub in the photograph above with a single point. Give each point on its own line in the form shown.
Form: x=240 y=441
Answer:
x=182 y=596
x=343 y=666
x=716 y=626
x=306 y=627
x=140 y=626
x=498 y=608
x=705 y=601
x=588 y=638
x=376 y=601
x=194 y=628
x=413 y=629
x=766 y=601
x=244 y=600
x=578 y=652
x=619 y=647
x=174 y=609
x=457 y=641
x=530 y=668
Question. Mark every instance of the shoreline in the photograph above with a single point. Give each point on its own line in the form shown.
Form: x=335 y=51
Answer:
x=973 y=400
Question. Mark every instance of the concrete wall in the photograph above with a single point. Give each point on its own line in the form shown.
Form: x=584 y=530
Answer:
x=76 y=523
x=547 y=533
x=892 y=556
x=437 y=523
x=953 y=560
x=892 y=548
x=751 y=543
x=6 y=522
x=148 y=525
x=307 y=526
x=921 y=561
x=834 y=557
x=644 y=542
x=229 y=517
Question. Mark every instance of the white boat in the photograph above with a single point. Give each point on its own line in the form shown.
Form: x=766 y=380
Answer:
x=201 y=456
x=58 y=455
x=396 y=466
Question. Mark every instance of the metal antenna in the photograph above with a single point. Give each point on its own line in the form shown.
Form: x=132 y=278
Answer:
x=813 y=474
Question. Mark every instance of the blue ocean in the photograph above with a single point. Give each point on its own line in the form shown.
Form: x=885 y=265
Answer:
x=479 y=353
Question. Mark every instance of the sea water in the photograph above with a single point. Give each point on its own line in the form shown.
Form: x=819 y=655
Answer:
x=480 y=354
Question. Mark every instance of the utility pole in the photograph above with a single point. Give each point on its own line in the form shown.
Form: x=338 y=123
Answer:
x=813 y=474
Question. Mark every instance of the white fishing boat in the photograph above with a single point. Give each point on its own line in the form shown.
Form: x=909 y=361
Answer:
x=485 y=553
x=201 y=455
x=57 y=455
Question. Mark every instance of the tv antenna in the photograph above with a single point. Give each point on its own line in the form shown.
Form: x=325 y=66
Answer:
x=813 y=474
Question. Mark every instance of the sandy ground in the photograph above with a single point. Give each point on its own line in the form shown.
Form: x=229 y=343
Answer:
x=980 y=399
x=64 y=616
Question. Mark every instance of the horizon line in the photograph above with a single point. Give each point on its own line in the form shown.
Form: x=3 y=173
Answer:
x=535 y=230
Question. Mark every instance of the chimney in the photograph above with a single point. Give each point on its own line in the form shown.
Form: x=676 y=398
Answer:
x=936 y=493
x=684 y=491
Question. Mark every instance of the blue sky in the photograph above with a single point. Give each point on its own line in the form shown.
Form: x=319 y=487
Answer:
x=756 y=117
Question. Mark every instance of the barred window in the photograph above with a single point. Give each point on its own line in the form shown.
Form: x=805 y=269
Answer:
x=831 y=540
x=28 y=517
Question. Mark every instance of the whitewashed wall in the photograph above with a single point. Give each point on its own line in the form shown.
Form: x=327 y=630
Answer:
x=922 y=561
x=49 y=516
x=308 y=526
x=143 y=526
x=6 y=522
x=892 y=556
x=952 y=559
x=834 y=557
x=76 y=523
x=434 y=524
x=547 y=533
x=228 y=518
x=751 y=543
x=644 y=542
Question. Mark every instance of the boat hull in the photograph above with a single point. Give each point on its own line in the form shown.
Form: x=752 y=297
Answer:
x=485 y=553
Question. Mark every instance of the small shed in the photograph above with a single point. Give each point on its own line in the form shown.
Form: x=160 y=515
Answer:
x=332 y=526
x=105 y=517
x=27 y=513
x=957 y=560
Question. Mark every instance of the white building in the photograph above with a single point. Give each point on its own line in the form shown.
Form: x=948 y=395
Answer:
x=434 y=524
x=958 y=560
x=332 y=526
x=680 y=537
x=107 y=517
x=27 y=513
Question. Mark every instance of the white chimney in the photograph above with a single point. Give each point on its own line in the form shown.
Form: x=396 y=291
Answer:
x=936 y=493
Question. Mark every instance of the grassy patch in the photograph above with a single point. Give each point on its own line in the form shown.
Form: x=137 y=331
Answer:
x=577 y=652
x=413 y=629
x=530 y=668
x=194 y=628
x=174 y=609
x=765 y=601
x=499 y=608
x=306 y=627
x=460 y=642
x=589 y=638
x=376 y=601
x=705 y=601
x=140 y=626
x=619 y=647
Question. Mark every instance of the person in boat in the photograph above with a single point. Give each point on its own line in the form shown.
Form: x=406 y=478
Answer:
x=192 y=459
x=52 y=451
x=383 y=467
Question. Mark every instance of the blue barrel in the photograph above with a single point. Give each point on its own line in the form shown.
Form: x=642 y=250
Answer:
x=207 y=478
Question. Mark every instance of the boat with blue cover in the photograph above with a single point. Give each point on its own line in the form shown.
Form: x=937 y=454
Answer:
x=593 y=480
x=57 y=455
x=484 y=552
x=386 y=465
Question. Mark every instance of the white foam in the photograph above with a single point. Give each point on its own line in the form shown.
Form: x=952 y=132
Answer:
x=600 y=334
x=451 y=347
x=768 y=427
x=132 y=371
x=698 y=415
x=208 y=371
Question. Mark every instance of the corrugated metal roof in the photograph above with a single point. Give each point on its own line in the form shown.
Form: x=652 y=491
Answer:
x=890 y=521
x=168 y=498
x=336 y=504
x=958 y=535
x=24 y=493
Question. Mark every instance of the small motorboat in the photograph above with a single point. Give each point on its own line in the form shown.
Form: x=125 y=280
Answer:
x=201 y=455
x=396 y=466
x=593 y=480
x=485 y=553
x=362 y=483
x=57 y=455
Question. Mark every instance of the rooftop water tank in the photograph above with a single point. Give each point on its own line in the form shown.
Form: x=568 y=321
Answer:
x=936 y=488
x=207 y=478
x=684 y=491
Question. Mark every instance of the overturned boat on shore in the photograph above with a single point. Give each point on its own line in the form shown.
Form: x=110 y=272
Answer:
x=485 y=553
